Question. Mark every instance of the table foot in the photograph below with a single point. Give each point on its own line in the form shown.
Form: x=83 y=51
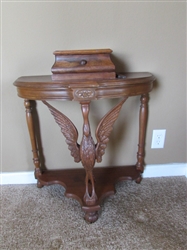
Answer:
x=91 y=217
x=139 y=179
x=39 y=185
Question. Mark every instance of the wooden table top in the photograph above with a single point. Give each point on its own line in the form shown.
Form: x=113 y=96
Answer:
x=43 y=87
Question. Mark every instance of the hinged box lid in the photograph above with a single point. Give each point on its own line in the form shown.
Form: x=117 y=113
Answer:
x=83 y=64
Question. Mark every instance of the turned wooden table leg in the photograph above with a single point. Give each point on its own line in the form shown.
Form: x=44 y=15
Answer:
x=142 y=133
x=30 y=125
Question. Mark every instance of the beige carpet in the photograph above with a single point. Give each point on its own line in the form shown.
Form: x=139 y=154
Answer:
x=148 y=216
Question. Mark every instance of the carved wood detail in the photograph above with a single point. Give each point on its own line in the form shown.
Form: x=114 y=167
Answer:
x=68 y=130
x=84 y=94
x=87 y=152
x=104 y=129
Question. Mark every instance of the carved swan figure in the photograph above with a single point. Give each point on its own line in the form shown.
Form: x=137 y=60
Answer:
x=87 y=151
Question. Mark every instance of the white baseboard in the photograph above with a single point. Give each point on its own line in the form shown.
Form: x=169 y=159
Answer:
x=160 y=170
x=17 y=178
x=163 y=170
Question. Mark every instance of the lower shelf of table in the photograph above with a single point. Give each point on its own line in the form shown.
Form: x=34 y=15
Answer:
x=73 y=180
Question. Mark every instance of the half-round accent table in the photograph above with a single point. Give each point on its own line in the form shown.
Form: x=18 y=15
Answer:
x=88 y=185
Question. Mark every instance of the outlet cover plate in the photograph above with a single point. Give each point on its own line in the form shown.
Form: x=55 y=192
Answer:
x=158 y=138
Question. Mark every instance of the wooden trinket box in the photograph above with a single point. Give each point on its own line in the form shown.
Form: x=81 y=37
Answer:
x=83 y=64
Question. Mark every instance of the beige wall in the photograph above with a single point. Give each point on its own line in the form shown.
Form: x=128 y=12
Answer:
x=144 y=36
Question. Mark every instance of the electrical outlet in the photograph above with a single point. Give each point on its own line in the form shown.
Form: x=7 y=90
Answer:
x=158 y=138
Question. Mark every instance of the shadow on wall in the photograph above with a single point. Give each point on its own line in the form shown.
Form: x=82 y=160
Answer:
x=119 y=64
